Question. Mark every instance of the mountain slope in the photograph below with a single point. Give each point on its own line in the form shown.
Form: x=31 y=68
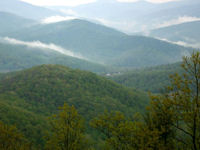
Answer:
x=55 y=84
x=153 y=79
x=18 y=57
x=138 y=16
x=26 y=10
x=186 y=32
x=28 y=97
x=105 y=45
x=14 y=112
x=11 y=22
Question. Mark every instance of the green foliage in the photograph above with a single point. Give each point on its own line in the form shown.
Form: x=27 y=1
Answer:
x=177 y=114
x=119 y=133
x=52 y=85
x=171 y=121
x=14 y=111
x=28 y=97
x=67 y=130
x=158 y=124
x=153 y=79
x=12 y=139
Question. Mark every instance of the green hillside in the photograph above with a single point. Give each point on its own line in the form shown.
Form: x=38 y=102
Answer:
x=105 y=45
x=28 y=97
x=17 y=57
x=153 y=79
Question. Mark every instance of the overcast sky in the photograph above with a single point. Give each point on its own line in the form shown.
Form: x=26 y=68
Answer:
x=79 y=2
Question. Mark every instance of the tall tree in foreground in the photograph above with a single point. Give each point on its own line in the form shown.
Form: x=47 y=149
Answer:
x=183 y=104
x=185 y=98
x=67 y=130
x=12 y=139
x=119 y=133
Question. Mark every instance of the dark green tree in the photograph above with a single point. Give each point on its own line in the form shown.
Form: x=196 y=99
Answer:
x=119 y=133
x=12 y=139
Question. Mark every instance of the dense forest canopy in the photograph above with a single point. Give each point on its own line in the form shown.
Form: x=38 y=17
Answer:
x=99 y=75
x=34 y=94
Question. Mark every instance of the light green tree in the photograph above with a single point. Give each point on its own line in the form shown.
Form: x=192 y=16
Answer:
x=67 y=130
x=181 y=106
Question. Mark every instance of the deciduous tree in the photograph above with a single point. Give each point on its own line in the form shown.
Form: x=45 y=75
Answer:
x=67 y=130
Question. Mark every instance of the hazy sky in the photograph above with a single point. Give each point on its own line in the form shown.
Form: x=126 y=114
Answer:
x=79 y=2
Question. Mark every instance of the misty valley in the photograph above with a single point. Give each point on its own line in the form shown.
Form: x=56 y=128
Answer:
x=100 y=75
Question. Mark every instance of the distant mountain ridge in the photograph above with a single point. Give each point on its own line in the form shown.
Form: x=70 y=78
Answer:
x=139 y=16
x=104 y=45
x=26 y=10
x=18 y=57
x=185 y=32
x=11 y=22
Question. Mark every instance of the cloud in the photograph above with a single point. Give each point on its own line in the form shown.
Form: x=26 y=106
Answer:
x=69 y=12
x=59 y=2
x=81 y=2
x=42 y=46
x=54 y=19
x=179 y=20
x=151 y=1
x=125 y=26
x=161 y=1
x=181 y=43
x=128 y=1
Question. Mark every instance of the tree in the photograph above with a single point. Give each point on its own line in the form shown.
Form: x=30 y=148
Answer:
x=67 y=130
x=159 y=132
x=119 y=133
x=12 y=139
x=183 y=104
x=172 y=121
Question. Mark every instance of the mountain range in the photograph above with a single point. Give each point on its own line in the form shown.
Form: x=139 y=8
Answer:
x=26 y=10
x=17 y=57
x=100 y=57
x=187 y=34
x=104 y=45
x=139 y=16
x=11 y=22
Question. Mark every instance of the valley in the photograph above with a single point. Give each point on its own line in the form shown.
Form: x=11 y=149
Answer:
x=99 y=75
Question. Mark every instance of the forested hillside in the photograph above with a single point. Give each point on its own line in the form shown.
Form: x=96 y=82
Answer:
x=18 y=57
x=99 y=75
x=104 y=45
x=28 y=97
x=153 y=79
